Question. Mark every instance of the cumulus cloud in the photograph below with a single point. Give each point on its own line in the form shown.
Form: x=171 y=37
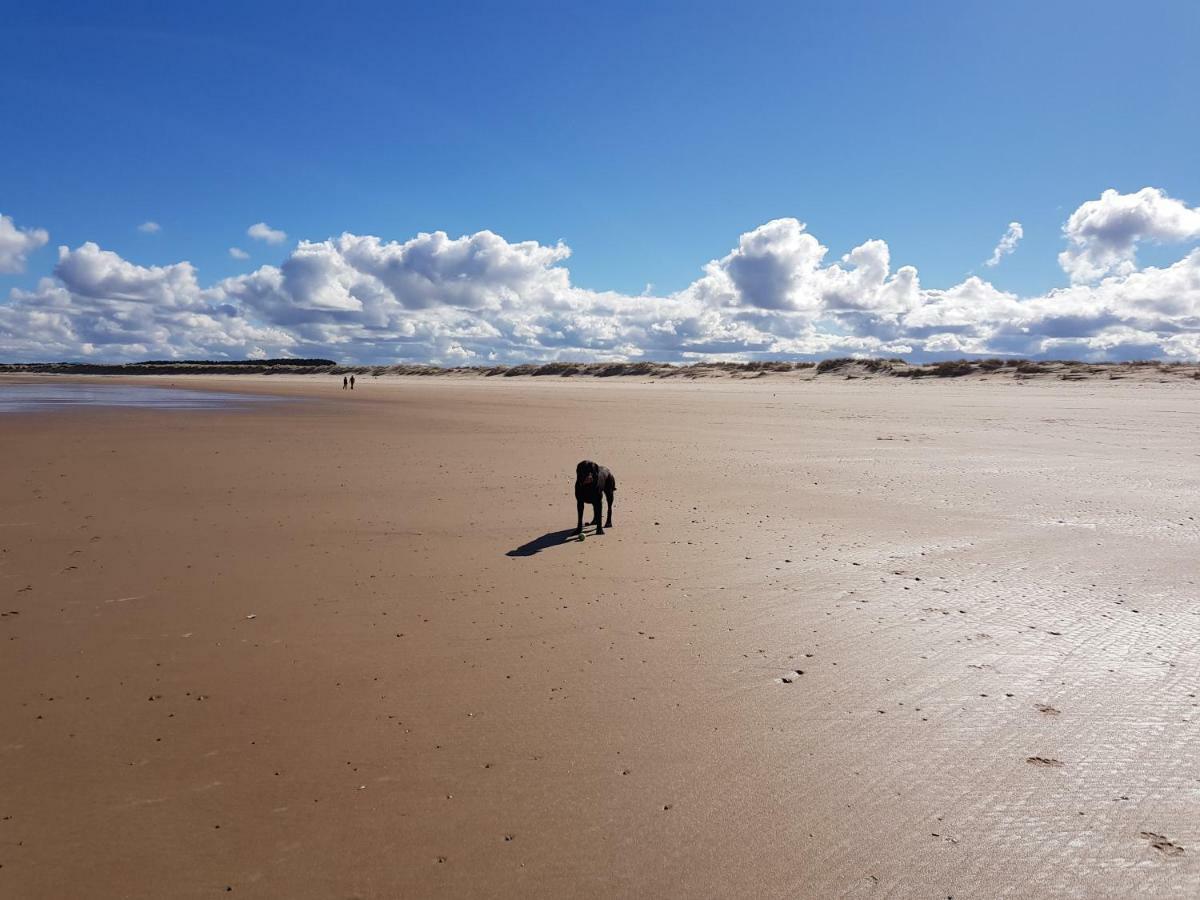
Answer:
x=238 y=253
x=482 y=298
x=779 y=266
x=103 y=275
x=261 y=231
x=1103 y=234
x=17 y=243
x=103 y=306
x=1007 y=244
x=150 y=228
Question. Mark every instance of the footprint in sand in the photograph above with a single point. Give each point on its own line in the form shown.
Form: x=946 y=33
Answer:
x=1046 y=709
x=1162 y=844
x=864 y=887
x=1044 y=762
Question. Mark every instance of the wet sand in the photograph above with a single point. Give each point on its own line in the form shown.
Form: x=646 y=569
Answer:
x=866 y=639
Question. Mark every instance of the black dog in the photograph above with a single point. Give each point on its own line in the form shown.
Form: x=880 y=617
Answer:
x=593 y=483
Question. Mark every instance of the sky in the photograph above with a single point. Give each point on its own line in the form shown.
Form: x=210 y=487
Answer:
x=474 y=183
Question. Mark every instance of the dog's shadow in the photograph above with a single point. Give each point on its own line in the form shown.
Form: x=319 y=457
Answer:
x=545 y=542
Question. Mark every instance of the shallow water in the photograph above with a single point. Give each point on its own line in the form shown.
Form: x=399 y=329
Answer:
x=34 y=397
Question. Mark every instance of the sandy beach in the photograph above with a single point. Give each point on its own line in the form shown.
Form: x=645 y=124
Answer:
x=879 y=638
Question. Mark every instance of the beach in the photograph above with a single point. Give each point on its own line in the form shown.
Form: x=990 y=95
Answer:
x=869 y=638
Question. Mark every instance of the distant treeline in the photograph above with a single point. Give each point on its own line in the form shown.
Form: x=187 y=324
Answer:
x=842 y=367
x=237 y=362
x=176 y=367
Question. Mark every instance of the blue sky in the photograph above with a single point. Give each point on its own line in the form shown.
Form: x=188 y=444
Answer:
x=647 y=140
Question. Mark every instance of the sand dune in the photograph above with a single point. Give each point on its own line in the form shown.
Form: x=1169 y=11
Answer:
x=873 y=638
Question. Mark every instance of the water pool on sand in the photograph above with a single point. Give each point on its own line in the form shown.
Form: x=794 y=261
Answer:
x=35 y=397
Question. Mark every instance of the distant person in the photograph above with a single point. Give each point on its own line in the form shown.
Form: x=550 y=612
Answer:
x=345 y=382
x=351 y=382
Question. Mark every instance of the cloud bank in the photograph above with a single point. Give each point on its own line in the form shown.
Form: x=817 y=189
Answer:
x=480 y=298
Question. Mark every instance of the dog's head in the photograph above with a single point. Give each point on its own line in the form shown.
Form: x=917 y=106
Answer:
x=587 y=472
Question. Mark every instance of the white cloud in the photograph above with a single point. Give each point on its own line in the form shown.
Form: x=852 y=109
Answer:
x=1183 y=346
x=103 y=306
x=1007 y=244
x=261 y=231
x=103 y=275
x=359 y=298
x=238 y=253
x=778 y=266
x=17 y=243
x=150 y=228
x=1103 y=234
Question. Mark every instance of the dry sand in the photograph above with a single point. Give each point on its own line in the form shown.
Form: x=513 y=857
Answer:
x=289 y=652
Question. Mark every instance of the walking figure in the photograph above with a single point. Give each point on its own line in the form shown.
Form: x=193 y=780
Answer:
x=345 y=382
x=351 y=382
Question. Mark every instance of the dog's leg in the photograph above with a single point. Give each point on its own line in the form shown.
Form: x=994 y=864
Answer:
x=579 y=510
x=608 y=521
x=598 y=506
